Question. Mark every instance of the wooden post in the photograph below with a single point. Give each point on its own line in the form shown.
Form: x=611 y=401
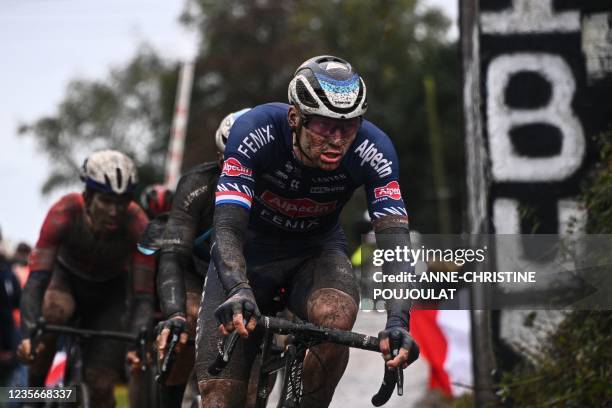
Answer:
x=477 y=186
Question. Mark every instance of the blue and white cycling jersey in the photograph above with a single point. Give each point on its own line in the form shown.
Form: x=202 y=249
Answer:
x=261 y=173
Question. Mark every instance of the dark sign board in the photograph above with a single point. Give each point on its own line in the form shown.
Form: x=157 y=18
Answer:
x=545 y=86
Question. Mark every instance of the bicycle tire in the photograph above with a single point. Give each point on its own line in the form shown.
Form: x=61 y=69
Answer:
x=83 y=396
x=152 y=388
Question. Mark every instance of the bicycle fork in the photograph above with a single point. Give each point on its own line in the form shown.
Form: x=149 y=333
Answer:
x=291 y=361
x=291 y=391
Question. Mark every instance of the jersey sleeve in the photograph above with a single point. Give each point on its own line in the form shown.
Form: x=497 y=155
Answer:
x=52 y=232
x=143 y=266
x=193 y=198
x=248 y=143
x=382 y=185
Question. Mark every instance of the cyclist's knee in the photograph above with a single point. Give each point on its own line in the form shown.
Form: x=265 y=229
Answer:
x=58 y=306
x=193 y=306
x=223 y=393
x=332 y=308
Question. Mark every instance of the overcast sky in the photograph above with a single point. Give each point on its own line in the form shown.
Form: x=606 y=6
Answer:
x=46 y=43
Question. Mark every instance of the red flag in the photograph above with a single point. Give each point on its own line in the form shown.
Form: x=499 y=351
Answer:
x=56 y=372
x=444 y=339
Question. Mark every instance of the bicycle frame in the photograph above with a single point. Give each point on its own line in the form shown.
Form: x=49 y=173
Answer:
x=301 y=337
x=73 y=373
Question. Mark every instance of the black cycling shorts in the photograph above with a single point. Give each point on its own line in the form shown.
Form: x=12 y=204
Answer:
x=301 y=267
x=97 y=306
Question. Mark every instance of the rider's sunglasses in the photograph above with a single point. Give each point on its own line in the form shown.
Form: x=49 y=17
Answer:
x=328 y=127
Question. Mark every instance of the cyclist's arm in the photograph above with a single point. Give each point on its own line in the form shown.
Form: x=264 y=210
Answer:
x=41 y=262
x=389 y=219
x=233 y=199
x=143 y=274
x=391 y=232
x=143 y=288
x=230 y=224
x=193 y=198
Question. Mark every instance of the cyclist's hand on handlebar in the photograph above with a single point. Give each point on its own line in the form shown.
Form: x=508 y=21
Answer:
x=175 y=324
x=24 y=351
x=133 y=361
x=231 y=313
x=406 y=343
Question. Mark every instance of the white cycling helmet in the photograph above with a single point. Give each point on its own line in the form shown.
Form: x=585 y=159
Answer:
x=109 y=171
x=223 y=131
x=328 y=86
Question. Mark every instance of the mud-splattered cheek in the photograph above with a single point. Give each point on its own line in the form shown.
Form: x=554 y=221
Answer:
x=316 y=143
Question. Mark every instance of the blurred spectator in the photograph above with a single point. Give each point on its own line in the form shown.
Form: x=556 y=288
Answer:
x=22 y=252
x=20 y=263
x=10 y=292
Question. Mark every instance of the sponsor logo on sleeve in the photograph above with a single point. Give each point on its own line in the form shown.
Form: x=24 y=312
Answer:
x=256 y=139
x=192 y=196
x=297 y=207
x=233 y=193
x=391 y=190
x=368 y=152
x=233 y=168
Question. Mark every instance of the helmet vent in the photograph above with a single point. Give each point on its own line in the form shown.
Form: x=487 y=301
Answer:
x=107 y=181
x=119 y=178
x=304 y=95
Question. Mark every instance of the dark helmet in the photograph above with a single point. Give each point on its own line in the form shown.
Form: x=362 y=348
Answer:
x=328 y=86
x=156 y=199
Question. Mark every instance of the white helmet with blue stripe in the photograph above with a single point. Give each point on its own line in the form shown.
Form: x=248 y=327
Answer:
x=328 y=86
x=223 y=131
x=109 y=171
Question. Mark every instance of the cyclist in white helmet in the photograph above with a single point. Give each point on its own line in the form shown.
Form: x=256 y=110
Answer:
x=80 y=270
x=184 y=260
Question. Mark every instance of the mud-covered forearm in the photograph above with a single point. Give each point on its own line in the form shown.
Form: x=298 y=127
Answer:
x=392 y=232
x=171 y=282
x=192 y=204
x=142 y=312
x=143 y=286
x=230 y=224
x=31 y=299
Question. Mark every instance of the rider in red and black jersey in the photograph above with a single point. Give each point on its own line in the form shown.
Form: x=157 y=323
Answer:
x=81 y=267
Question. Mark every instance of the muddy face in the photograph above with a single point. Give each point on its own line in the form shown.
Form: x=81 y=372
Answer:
x=323 y=142
x=107 y=211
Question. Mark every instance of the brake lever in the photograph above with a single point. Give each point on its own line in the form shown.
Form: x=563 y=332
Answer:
x=395 y=339
x=394 y=377
x=386 y=388
x=35 y=335
x=142 y=347
x=168 y=361
x=227 y=348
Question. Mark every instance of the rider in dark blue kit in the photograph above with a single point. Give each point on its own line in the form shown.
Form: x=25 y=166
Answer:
x=292 y=200
x=288 y=172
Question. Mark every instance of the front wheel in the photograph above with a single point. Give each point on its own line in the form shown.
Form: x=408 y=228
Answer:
x=83 y=396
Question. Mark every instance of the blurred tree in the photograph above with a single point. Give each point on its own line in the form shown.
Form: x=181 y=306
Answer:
x=129 y=111
x=248 y=52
